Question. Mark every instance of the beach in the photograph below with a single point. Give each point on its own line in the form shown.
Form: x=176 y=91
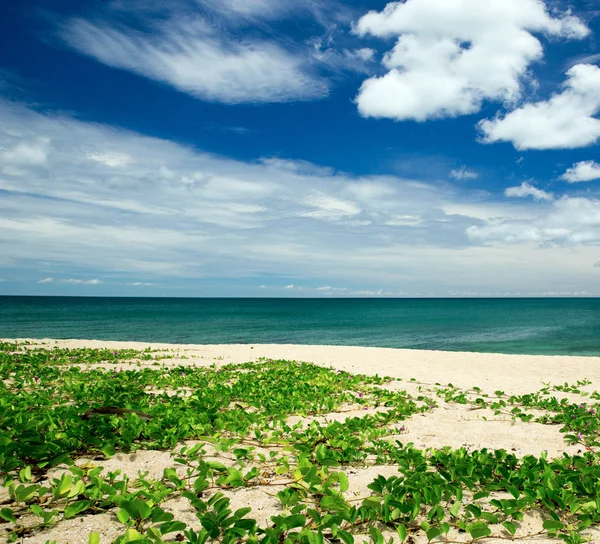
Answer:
x=449 y=423
x=490 y=371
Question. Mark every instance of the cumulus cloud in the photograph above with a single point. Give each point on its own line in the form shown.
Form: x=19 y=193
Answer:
x=192 y=57
x=582 y=171
x=46 y=280
x=565 y=121
x=463 y=174
x=525 y=190
x=291 y=286
x=451 y=55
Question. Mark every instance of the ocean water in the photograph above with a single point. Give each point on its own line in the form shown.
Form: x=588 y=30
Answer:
x=528 y=326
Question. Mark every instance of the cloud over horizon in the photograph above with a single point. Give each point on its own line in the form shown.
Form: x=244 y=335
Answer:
x=124 y=204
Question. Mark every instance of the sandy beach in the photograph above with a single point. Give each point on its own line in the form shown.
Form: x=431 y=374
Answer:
x=417 y=372
x=513 y=374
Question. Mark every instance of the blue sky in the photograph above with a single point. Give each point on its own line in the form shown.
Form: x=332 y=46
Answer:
x=300 y=148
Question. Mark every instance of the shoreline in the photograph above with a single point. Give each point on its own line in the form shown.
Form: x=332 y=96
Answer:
x=515 y=374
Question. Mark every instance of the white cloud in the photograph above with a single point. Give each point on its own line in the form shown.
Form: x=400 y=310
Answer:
x=140 y=283
x=46 y=280
x=190 y=56
x=328 y=208
x=27 y=153
x=582 y=171
x=584 y=59
x=364 y=53
x=81 y=282
x=370 y=293
x=568 y=222
x=176 y=215
x=291 y=286
x=565 y=121
x=451 y=55
x=325 y=288
x=463 y=174
x=111 y=158
x=525 y=190
x=352 y=60
x=250 y=8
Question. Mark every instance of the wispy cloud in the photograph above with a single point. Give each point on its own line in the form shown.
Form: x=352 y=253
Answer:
x=169 y=211
x=525 y=190
x=463 y=174
x=583 y=59
x=46 y=280
x=189 y=55
x=75 y=281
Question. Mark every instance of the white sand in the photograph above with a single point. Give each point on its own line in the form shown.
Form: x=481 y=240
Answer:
x=450 y=424
x=516 y=374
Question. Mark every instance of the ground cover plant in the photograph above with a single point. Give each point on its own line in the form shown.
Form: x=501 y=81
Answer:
x=270 y=425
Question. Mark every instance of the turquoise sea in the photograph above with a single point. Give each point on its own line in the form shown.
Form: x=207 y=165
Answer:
x=534 y=326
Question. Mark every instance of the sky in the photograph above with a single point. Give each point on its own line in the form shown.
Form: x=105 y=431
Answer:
x=306 y=148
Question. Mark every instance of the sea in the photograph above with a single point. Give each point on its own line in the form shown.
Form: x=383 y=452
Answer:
x=545 y=326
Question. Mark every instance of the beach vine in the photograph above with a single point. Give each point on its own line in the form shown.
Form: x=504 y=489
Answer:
x=269 y=425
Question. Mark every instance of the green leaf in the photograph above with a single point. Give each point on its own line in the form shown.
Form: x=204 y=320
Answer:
x=291 y=522
x=434 y=532
x=513 y=491
x=211 y=527
x=123 y=516
x=71 y=510
x=479 y=530
x=510 y=527
x=26 y=493
x=25 y=474
x=171 y=527
x=65 y=484
x=345 y=537
x=343 y=482
x=94 y=538
x=376 y=536
x=552 y=526
x=108 y=450
x=454 y=509
x=246 y=524
x=402 y=533
x=131 y=535
x=7 y=515
x=490 y=518
x=241 y=512
x=215 y=465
